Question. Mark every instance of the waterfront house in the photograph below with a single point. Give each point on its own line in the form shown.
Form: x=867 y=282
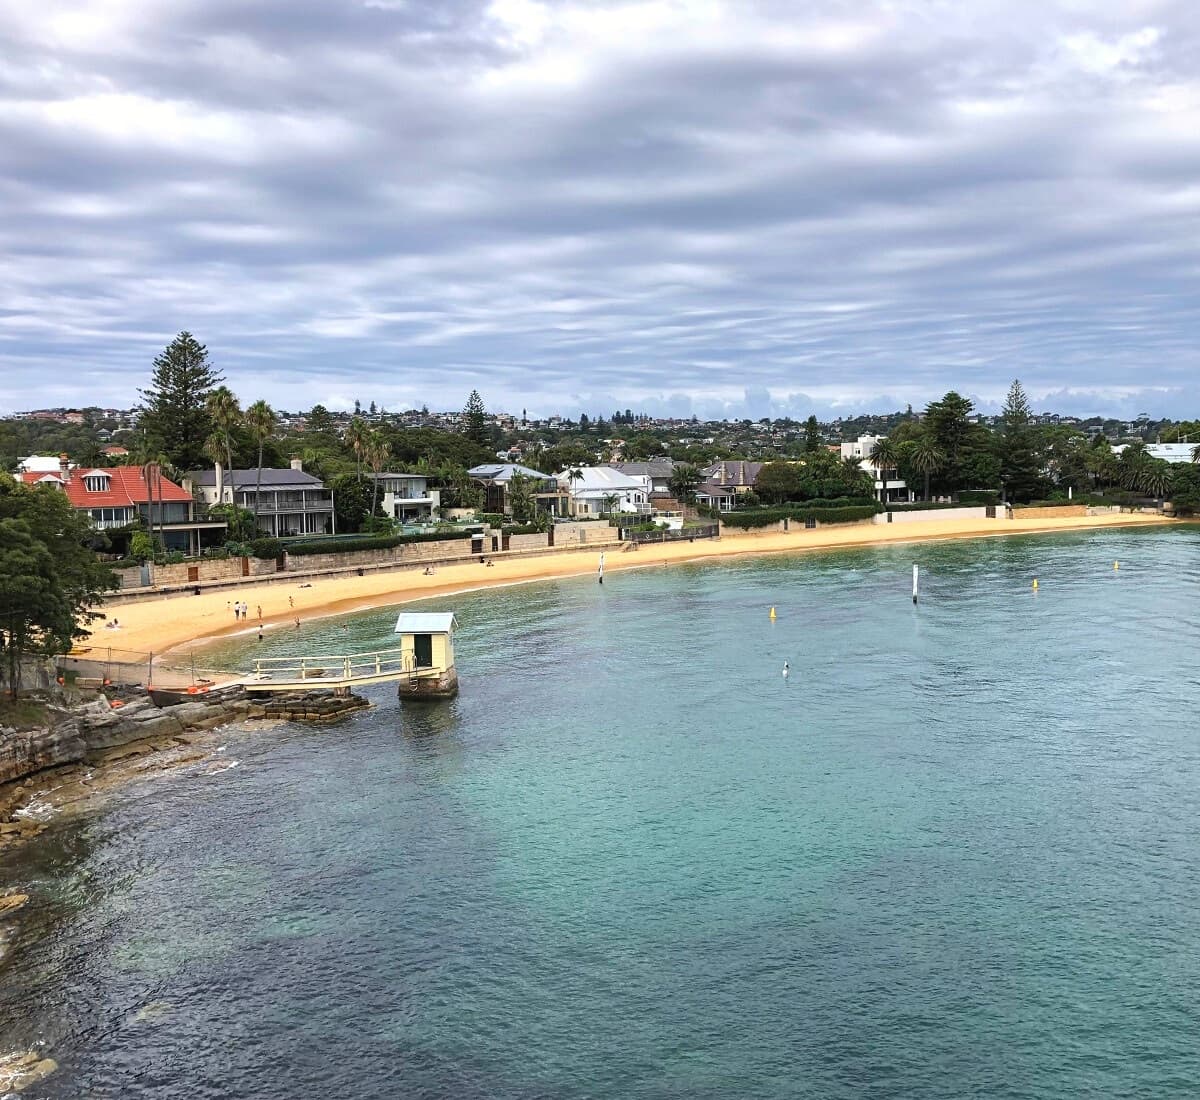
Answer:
x=291 y=502
x=714 y=495
x=407 y=497
x=1168 y=452
x=861 y=450
x=119 y=497
x=600 y=489
x=735 y=474
x=658 y=470
x=495 y=477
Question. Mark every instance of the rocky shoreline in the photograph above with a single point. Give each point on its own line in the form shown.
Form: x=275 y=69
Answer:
x=83 y=743
x=90 y=749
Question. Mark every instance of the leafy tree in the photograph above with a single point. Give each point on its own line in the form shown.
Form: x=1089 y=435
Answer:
x=779 y=481
x=1021 y=458
x=351 y=502
x=1185 y=489
x=240 y=522
x=260 y=419
x=50 y=579
x=521 y=497
x=685 y=479
x=141 y=545
x=475 y=419
x=174 y=414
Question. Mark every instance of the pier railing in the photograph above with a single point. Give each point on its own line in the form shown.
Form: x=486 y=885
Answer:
x=336 y=670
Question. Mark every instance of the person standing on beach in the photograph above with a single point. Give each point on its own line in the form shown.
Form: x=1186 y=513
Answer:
x=237 y=612
x=260 y=613
x=291 y=602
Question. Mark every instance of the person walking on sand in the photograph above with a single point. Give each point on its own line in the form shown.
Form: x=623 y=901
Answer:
x=260 y=613
x=291 y=602
x=237 y=612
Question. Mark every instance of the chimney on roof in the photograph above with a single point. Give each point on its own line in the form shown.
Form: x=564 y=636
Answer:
x=297 y=462
x=64 y=467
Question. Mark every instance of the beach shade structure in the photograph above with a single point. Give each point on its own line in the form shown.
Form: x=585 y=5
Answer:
x=427 y=655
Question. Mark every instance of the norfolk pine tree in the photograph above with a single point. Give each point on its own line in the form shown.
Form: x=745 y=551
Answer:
x=174 y=414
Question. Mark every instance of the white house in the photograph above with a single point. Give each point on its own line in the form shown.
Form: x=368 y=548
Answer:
x=600 y=489
x=1168 y=452
x=861 y=449
x=407 y=497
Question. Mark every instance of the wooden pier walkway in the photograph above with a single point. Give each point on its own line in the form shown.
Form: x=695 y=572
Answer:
x=333 y=671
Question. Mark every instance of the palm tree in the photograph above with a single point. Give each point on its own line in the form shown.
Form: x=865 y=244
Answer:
x=884 y=456
x=1155 y=478
x=225 y=413
x=610 y=501
x=926 y=459
x=1196 y=453
x=260 y=420
x=573 y=475
x=376 y=450
x=356 y=440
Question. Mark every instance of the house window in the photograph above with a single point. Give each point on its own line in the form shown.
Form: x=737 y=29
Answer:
x=96 y=483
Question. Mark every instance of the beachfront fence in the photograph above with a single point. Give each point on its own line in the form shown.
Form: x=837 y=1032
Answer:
x=98 y=664
x=685 y=534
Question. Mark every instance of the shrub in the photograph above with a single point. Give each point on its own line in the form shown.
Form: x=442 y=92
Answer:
x=521 y=529
x=265 y=548
x=368 y=542
x=492 y=519
x=979 y=496
x=765 y=517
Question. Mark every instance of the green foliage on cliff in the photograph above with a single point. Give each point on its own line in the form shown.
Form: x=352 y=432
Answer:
x=50 y=577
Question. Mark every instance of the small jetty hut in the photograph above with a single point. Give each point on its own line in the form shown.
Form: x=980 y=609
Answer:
x=427 y=655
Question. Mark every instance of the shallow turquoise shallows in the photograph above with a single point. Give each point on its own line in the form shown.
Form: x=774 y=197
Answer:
x=956 y=853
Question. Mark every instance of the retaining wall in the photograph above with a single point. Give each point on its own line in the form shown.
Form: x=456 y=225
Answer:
x=1053 y=513
x=937 y=515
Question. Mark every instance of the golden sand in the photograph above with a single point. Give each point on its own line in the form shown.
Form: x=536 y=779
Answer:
x=159 y=623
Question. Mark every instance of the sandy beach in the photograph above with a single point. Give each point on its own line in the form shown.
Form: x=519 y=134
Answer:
x=159 y=624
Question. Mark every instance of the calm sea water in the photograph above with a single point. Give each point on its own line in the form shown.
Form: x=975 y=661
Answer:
x=956 y=854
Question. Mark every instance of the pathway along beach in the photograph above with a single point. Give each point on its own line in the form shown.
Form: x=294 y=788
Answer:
x=160 y=623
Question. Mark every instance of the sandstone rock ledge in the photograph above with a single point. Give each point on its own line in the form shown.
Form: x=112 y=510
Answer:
x=19 y=1071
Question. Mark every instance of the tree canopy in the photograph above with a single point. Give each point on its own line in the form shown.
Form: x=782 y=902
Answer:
x=50 y=577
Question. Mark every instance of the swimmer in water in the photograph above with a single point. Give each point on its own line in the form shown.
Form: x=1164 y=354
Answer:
x=786 y=669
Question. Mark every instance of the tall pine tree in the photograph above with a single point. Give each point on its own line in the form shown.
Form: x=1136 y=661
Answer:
x=475 y=419
x=174 y=416
x=1020 y=447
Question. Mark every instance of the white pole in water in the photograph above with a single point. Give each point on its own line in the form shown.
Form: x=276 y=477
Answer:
x=601 y=574
x=915 y=571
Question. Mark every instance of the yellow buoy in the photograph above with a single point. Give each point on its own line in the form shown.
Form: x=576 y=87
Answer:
x=1035 y=584
x=1116 y=565
x=772 y=614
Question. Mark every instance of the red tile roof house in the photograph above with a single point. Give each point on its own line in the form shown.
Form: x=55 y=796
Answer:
x=118 y=496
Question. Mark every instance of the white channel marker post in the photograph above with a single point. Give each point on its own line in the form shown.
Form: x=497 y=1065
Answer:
x=914 y=584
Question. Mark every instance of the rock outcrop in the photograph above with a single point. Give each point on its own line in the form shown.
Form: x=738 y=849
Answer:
x=20 y=1071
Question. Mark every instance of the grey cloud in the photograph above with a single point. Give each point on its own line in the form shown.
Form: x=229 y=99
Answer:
x=800 y=208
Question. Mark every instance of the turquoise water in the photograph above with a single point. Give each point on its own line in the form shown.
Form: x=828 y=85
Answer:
x=954 y=854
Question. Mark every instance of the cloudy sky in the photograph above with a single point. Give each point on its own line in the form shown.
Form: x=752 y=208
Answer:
x=674 y=205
